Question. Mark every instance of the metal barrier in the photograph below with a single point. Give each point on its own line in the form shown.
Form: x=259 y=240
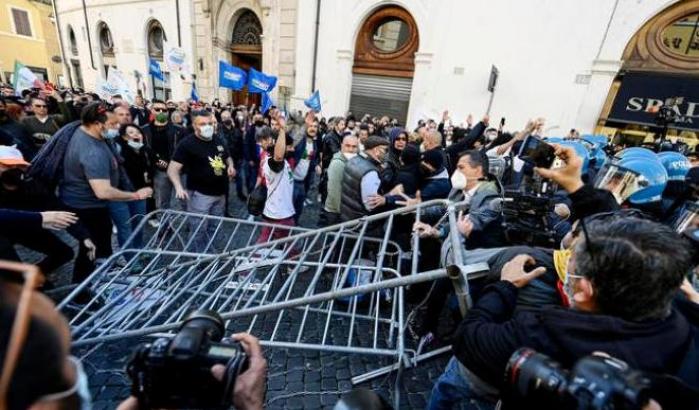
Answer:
x=336 y=289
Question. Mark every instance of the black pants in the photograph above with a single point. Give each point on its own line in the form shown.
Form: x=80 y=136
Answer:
x=98 y=223
x=55 y=250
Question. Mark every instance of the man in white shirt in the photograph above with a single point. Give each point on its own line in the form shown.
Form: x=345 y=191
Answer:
x=278 y=177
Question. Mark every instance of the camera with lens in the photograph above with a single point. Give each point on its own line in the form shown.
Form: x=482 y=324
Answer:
x=526 y=213
x=595 y=382
x=176 y=372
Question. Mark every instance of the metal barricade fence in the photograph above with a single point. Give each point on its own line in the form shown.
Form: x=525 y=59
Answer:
x=336 y=289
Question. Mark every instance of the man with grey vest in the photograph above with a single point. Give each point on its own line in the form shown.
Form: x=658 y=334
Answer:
x=361 y=185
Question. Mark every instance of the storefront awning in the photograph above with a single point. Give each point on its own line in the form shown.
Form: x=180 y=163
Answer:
x=641 y=91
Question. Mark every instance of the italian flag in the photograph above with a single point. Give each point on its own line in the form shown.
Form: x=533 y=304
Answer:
x=25 y=79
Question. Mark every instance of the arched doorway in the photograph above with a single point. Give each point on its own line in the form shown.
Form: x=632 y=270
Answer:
x=246 y=50
x=661 y=62
x=106 y=48
x=384 y=63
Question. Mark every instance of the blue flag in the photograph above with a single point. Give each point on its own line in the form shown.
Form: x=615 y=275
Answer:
x=154 y=69
x=259 y=82
x=230 y=76
x=267 y=103
x=194 y=94
x=313 y=102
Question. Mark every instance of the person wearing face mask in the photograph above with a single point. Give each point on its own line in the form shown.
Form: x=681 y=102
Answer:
x=361 y=184
x=20 y=192
x=136 y=161
x=90 y=180
x=231 y=131
x=161 y=137
x=330 y=214
x=209 y=168
x=622 y=303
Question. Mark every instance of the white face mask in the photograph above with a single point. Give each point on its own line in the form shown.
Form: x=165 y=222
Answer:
x=350 y=155
x=137 y=145
x=458 y=180
x=207 y=132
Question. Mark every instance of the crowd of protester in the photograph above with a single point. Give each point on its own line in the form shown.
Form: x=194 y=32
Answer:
x=615 y=277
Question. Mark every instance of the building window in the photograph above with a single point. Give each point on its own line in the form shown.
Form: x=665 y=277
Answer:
x=106 y=42
x=21 y=22
x=391 y=35
x=156 y=36
x=247 y=30
x=161 y=89
x=72 y=41
x=682 y=36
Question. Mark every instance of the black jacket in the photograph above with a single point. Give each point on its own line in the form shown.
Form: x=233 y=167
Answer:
x=492 y=332
x=588 y=201
x=33 y=196
x=331 y=144
x=465 y=144
x=140 y=116
x=139 y=165
x=233 y=137
x=174 y=133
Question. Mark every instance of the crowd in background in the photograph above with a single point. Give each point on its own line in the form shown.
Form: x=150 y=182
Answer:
x=615 y=275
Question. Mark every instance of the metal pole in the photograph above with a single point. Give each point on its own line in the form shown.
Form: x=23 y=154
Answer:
x=302 y=301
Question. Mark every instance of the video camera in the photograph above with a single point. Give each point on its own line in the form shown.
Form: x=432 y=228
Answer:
x=595 y=382
x=176 y=372
x=526 y=211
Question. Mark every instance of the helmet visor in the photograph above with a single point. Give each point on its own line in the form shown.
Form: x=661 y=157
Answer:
x=688 y=218
x=621 y=182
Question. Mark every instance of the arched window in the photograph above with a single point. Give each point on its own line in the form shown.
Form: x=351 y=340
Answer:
x=247 y=30
x=156 y=36
x=106 y=41
x=72 y=41
x=384 y=62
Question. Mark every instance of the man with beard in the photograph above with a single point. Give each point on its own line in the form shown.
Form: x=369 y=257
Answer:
x=162 y=137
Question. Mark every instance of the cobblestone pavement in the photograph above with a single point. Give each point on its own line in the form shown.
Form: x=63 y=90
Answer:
x=297 y=379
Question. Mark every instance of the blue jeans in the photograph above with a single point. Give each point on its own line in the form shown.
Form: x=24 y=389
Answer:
x=126 y=216
x=298 y=198
x=455 y=389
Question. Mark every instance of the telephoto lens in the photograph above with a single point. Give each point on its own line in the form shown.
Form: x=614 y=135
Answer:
x=537 y=378
x=176 y=372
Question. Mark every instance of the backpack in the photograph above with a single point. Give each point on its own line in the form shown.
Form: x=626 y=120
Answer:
x=47 y=165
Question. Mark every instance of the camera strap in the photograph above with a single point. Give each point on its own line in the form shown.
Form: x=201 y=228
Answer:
x=233 y=368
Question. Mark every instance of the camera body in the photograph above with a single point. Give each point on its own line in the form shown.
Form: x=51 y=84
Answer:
x=176 y=372
x=526 y=213
x=595 y=382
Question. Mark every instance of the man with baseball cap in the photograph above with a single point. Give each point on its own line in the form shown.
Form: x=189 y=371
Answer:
x=21 y=193
x=361 y=185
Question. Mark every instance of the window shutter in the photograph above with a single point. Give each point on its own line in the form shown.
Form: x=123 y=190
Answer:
x=21 y=19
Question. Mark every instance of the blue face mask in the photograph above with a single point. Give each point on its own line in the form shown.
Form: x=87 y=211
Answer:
x=110 y=133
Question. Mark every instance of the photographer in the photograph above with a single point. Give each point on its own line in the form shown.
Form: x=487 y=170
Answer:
x=62 y=382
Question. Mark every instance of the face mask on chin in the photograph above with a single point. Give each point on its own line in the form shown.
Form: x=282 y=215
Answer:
x=349 y=155
x=137 y=145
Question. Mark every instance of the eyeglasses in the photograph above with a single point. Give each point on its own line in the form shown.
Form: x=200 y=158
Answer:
x=159 y=109
x=32 y=278
x=39 y=106
x=401 y=139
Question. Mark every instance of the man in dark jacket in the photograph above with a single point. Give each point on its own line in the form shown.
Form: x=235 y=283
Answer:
x=139 y=113
x=621 y=305
x=361 y=185
x=13 y=133
x=231 y=133
x=251 y=151
x=162 y=137
x=22 y=193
